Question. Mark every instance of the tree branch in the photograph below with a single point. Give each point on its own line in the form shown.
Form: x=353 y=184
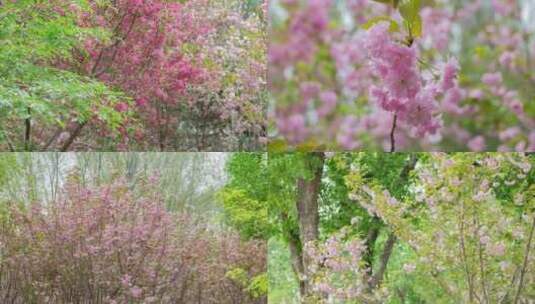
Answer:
x=389 y=245
x=464 y=259
x=385 y=257
x=52 y=139
x=74 y=134
x=525 y=264
x=373 y=233
x=481 y=265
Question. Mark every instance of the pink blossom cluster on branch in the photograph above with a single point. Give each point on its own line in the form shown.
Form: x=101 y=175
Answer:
x=340 y=72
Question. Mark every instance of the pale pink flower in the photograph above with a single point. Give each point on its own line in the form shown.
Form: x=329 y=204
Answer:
x=477 y=144
x=136 y=292
x=451 y=69
x=492 y=79
x=497 y=249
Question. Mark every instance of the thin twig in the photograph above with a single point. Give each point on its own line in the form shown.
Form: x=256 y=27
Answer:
x=465 y=259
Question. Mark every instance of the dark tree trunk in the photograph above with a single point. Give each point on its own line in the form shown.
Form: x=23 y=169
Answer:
x=308 y=189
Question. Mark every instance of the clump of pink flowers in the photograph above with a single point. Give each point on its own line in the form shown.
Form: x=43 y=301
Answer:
x=336 y=268
x=404 y=91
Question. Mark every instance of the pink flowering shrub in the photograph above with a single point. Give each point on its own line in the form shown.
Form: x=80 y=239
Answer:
x=417 y=75
x=113 y=245
x=133 y=75
x=174 y=60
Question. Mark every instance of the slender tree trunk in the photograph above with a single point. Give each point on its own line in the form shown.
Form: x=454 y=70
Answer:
x=28 y=133
x=308 y=189
x=373 y=233
x=296 y=257
x=525 y=264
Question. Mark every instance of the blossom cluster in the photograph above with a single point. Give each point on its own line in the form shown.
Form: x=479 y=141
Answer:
x=336 y=268
x=404 y=92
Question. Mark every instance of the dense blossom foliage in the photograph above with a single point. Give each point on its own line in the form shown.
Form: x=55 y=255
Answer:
x=404 y=228
x=111 y=244
x=165 y=75
x=468 y=217
x=402 y=75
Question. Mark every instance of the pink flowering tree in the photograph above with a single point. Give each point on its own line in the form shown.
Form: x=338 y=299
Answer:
x=471 y=218
x=40 y=101
x=228 y=110
x=130 y=74
x=114 y=244
x=194 y=70
x=143 y=57
x=400 y=75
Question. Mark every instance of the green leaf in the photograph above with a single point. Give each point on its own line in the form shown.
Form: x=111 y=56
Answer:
x=258 y=286
x=238 y=275
x=414 y=28
x=394 y=27
x=410 y=11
